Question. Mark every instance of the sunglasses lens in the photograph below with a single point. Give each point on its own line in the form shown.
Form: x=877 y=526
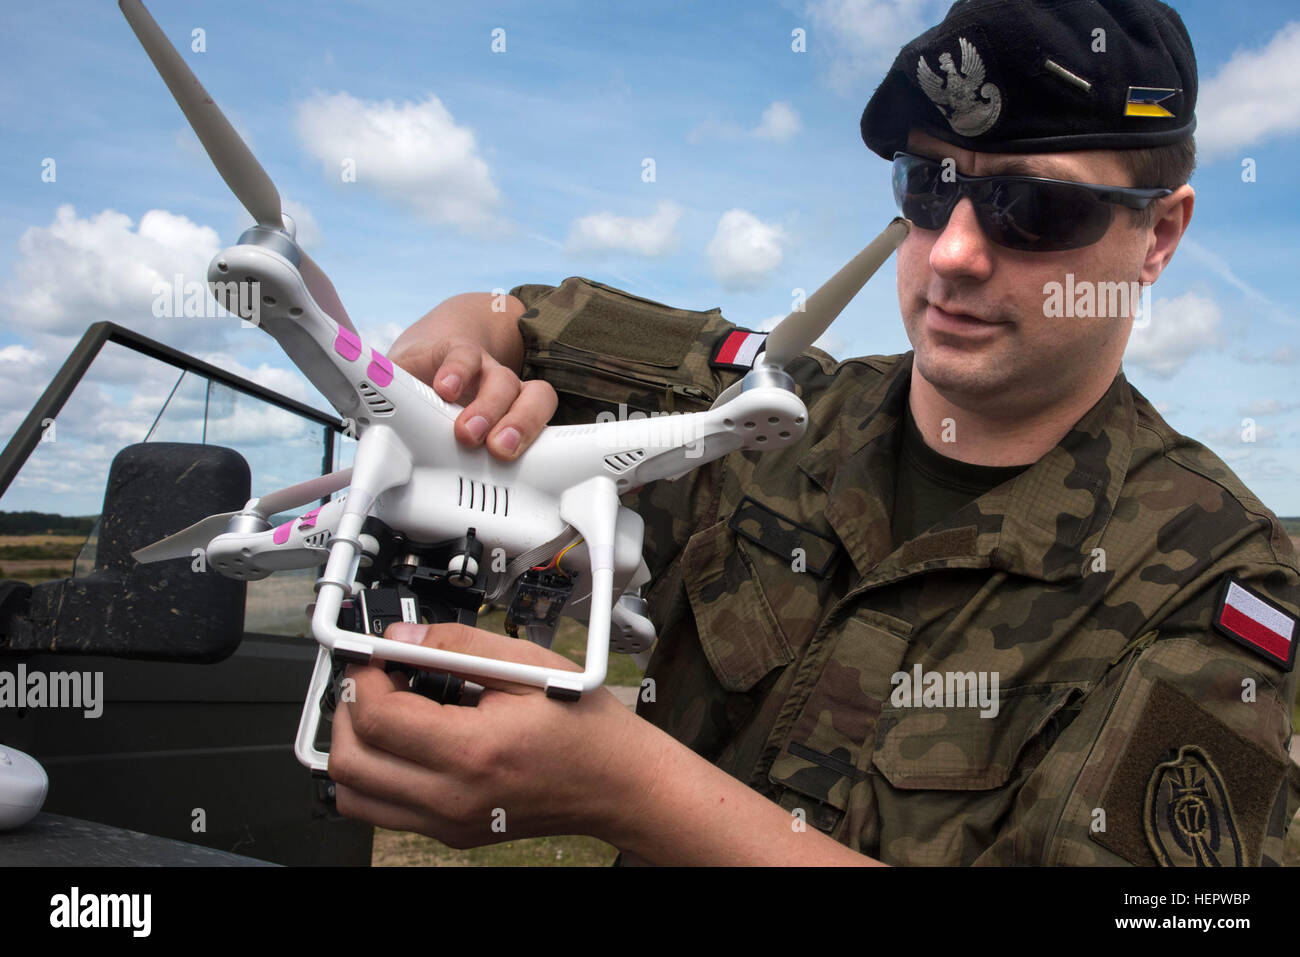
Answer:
x=920 y=192
x=1040 y=217
x=1017 y=214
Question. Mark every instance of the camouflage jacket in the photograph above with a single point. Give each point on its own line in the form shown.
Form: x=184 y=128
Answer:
x=798 y=648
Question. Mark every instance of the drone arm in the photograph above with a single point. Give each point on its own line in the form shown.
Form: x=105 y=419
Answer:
x=260 y=284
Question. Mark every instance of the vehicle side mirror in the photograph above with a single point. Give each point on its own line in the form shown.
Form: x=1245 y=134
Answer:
x=177 y=610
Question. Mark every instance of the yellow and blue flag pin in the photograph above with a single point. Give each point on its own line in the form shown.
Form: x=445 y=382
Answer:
x=1146 y=100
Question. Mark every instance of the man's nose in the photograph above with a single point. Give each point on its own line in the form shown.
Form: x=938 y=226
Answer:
x=962 y=249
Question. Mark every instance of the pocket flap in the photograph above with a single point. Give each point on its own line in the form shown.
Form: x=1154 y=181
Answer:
x=955 y=748
x=738 y=631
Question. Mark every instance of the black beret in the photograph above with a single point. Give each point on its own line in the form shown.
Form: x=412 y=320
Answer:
x=1041 y=76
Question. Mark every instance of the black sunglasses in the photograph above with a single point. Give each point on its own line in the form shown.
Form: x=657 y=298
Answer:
x=1018 y=212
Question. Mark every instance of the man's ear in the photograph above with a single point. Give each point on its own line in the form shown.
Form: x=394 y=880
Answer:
x=1173 y=213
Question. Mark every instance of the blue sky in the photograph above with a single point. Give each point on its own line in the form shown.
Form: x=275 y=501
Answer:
x=479 y=169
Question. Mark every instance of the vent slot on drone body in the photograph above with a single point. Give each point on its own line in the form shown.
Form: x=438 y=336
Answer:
x=374 y=399
x=481 y=497
x=622 y=461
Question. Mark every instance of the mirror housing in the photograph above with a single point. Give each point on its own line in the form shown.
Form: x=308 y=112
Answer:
x=165 y=611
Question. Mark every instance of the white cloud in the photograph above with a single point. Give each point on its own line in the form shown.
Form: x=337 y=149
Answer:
x=77 y=271
x=1219 y=266
x=744 y=250
x=1268 y=407
x=16 y=355
x=382 y=335
x=308 y=232
x=288 y=382
x=1236 y=435
x=414 y=154
x=122 y=397
x=1283 y=355
x=862 y=37
x=1255 y=96
x=1178 y=329
x=654 y=235
x=1230 y=454
x=780 y=122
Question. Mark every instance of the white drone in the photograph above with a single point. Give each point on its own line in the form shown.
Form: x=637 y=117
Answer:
x=419 y=500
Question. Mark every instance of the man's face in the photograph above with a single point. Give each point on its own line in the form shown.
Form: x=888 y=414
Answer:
x=1016 y=360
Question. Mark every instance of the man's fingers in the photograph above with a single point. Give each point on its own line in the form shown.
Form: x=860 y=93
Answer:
x=375 y=779
x=458 y=371
x=419 y=357
x=520 y=427
x=498 y=388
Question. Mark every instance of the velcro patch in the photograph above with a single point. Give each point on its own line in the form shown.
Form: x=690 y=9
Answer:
x=1251 y=620
x=781 y=536
x=1188 y=789
x=738 y=349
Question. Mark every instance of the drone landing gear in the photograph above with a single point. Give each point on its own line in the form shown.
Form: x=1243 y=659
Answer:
x=418 y=583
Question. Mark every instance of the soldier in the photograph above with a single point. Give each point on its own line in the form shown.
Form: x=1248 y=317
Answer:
x=990 y=609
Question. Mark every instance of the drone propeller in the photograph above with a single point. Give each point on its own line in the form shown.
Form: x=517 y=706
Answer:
x=227 y=150
x=799 y=330
x=198 y=535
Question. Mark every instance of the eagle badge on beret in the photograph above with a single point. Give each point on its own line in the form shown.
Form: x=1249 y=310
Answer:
x=958 y=94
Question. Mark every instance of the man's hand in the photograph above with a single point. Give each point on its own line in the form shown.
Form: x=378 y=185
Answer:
x=469 y=350
x=518 y=765
x=532 y=765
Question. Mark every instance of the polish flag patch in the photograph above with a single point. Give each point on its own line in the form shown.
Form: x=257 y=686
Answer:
x=1252 y=620
x=738 y=349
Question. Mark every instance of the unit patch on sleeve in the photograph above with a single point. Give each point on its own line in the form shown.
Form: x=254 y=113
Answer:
x=738 y=349
x=1188 y=815
x=1188 y=790
x=1253 y=621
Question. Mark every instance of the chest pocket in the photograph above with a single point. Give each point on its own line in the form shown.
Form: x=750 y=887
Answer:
x=947 y=780
x=825 y=758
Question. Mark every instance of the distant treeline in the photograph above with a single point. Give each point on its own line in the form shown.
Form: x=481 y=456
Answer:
x=43 y=523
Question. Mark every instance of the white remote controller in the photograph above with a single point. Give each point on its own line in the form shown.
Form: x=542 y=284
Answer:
x=23 y=786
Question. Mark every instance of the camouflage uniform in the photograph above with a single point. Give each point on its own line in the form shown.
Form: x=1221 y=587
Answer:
x=1126 y=727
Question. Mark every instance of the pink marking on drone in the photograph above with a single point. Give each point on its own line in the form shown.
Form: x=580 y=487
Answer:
x=309 y=520
x=380 y=369
x=282 y=532
x=347 y=344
